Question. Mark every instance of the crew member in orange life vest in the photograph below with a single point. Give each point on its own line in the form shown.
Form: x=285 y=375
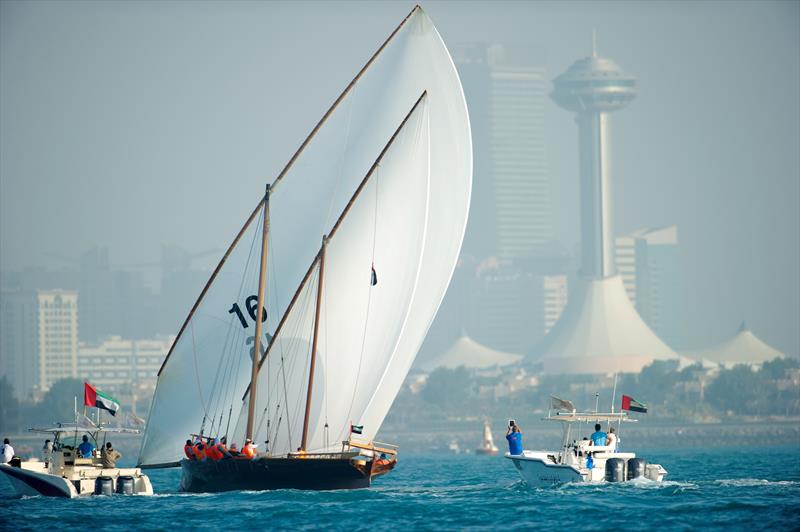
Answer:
x=221 y=449
x=211 y=449
x=189 y=451
x=199 y=450
x=249 y=450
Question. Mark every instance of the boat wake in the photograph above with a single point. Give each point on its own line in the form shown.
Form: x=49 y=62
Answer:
x=755 y=482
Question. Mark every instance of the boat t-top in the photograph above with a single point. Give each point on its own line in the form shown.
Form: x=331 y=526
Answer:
x=63 y=473
x=578 y=460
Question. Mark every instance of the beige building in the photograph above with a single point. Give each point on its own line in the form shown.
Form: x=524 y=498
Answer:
x=120 y=366
x=58 y=336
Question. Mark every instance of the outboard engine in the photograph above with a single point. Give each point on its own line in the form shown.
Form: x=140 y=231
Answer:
x=104 y=486
x=615 y=470
x=125 y=485
x=637 y=467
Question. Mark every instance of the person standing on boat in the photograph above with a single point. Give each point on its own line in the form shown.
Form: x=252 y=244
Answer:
x=188 y=450
x=47 y=452
x=612 y=438
x=514 y=437
x=8 y=452
x=249 y=450
x=110 y=456
x=85 y=449
x=599 y=437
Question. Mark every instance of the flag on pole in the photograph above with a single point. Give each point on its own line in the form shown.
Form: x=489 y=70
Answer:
x=94 y=397
x=373 y=279
x=629 y=403
x=561 y=405
x=356 y=429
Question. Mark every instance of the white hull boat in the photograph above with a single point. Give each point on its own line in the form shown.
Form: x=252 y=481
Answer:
x=579 y=461
x=64 y=474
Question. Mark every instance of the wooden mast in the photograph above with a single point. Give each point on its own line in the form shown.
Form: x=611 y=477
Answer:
x=310 y=390
x=262 y=282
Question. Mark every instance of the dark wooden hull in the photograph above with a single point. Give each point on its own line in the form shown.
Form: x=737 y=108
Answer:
x=276 y=473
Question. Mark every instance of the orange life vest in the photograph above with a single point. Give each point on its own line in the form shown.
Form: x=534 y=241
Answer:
x=248 y=451
x=199 y=450
x=211 y=452
x=188 y=450
x=221 y=450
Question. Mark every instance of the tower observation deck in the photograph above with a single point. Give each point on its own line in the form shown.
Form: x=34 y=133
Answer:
x=593 y=87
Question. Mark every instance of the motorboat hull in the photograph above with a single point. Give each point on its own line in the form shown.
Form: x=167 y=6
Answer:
x=279 y=473
x=32 y=483
x=539 y=469
x=27 y=481
x=536 y=473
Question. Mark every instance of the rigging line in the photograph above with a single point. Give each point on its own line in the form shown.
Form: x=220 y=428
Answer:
x=369 y=296
x=341 y=97
x=197 y=375
x=235 y=351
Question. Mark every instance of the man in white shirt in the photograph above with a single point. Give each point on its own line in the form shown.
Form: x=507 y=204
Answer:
x=8 y=452
x=612 y=439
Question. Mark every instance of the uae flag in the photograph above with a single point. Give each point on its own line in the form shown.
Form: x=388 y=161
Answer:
x=629 y=403
x=94 y=397
x=356 y=429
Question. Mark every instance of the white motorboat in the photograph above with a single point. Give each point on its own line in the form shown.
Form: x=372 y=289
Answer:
x=580 y=461
x=62 y=473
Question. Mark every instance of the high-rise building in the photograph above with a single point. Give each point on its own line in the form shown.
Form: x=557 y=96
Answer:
x=19 y=336
x=511 y=213
x=58 y=336
x=647 y=259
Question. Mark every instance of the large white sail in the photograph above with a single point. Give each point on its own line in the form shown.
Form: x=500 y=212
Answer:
x=310 y=196
x=360 y=322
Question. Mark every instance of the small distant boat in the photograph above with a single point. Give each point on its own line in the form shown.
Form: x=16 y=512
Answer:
x=454 y=447
x=487 y=446
x=64 y=474
x=577 y=460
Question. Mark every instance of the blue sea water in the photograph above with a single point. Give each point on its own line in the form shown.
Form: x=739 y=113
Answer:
x=741 y=488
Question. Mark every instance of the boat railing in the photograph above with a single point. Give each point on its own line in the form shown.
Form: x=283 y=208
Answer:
x=379 y=447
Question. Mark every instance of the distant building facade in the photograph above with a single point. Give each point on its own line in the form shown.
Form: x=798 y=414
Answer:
x=511 y=193
x=19 y=341
x=57 y=336
x=648 y=262
x=121 y=366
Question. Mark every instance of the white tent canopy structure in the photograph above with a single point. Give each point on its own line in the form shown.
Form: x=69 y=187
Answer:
x=468 y=353
x=744 y=348
x=600 y=332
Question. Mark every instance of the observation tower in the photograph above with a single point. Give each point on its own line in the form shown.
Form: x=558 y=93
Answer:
x=599 y=331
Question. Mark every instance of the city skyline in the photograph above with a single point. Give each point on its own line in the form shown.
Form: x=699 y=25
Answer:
x=142 y=174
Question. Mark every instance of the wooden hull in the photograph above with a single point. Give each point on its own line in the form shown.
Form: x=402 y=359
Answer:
x=278 y=473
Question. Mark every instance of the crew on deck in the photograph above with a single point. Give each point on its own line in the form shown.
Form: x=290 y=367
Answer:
x=188 y=450
x=249 y=449
x=199 y=450
x=514 y=437
x=599 y=437
x=86 y=448
x=109 y=456
x=612 y=438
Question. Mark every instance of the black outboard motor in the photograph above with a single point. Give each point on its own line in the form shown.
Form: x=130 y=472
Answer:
x=125 y=485
x=615 y=470
x=104 y=486
x=637 y=467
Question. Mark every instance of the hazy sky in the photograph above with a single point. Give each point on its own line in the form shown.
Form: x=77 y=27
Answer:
x=136 y=124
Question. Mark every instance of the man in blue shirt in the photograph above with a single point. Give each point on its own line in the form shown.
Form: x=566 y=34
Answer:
x=86 y=448
x=599 y=437
x=514 y=437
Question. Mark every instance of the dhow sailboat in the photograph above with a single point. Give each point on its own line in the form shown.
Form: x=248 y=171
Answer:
x=303 y=335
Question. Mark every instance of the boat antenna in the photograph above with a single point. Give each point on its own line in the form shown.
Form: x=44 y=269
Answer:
x=614 y=394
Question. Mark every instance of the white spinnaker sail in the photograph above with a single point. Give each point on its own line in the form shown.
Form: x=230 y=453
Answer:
x=360 y=323
x=316 y=189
